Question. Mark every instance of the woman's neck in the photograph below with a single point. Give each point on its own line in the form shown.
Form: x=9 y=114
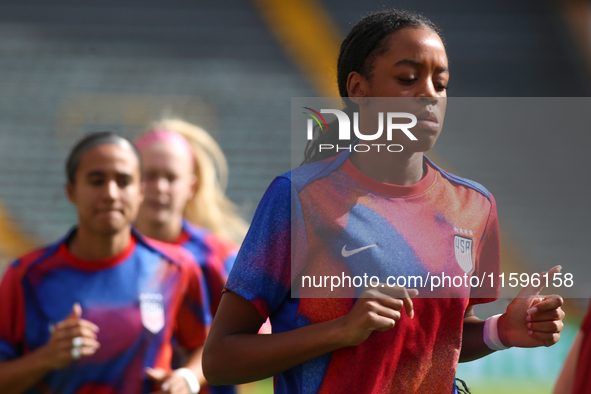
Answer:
x=387 y=167
x=165 y=232
x=90 y=246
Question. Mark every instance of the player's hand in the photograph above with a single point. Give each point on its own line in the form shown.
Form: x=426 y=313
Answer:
x=376 y=309
x=169 y=382
x=532 y=319
x=71 y=339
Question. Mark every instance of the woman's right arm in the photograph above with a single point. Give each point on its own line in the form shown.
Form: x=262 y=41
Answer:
x=20 y=374
x=234 y=353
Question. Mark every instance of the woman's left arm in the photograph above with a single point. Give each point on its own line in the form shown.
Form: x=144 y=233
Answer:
x=531 y=320
x=473 y=346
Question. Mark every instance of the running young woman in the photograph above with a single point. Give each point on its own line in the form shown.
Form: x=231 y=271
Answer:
x=185 y=173
x=398 y=210
x=95 y=312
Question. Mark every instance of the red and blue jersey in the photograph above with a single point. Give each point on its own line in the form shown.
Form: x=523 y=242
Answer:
x=328 y=219
x=582 y=381
x=215 y=256
x=136 y=298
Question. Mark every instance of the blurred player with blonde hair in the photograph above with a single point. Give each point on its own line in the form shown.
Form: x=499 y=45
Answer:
x=185 y=175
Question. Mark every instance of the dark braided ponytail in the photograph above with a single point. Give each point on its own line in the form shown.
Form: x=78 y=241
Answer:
x=365 y=42
x=464 y=389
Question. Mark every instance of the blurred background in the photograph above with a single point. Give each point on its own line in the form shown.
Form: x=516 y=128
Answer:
x=69 y=67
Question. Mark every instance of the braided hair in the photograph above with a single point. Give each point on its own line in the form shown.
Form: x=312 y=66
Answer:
x=365 y=42
x=464 y=389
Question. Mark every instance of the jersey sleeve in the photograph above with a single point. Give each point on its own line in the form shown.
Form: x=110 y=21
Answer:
x=229 y=257
x=582 y=382
x=488 y=260
x=12 y=315
x=215 y=279
x=194 y=317
x=226 y=250
x=262 y=269
x=586 y=324
x=221 y=260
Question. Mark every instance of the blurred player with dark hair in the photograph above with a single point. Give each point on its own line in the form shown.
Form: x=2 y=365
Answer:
x=95 y=312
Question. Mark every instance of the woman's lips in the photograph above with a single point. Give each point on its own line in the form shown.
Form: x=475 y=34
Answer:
x=428 y=119
x=157 y=204
x=427 y=116
x=109 y=211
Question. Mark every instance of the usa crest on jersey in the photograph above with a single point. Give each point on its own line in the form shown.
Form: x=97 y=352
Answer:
x=463 y=250
x=152 y=311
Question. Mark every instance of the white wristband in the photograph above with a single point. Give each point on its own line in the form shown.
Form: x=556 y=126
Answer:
x=491 y=334
x=190 y=378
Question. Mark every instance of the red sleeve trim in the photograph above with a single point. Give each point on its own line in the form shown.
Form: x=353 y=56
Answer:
x=12 y=309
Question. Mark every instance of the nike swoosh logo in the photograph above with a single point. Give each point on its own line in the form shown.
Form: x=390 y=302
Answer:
x=347 y=253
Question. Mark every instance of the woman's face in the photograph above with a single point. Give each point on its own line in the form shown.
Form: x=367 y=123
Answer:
x=413 y=67
x=169 y=181
x=107 y=189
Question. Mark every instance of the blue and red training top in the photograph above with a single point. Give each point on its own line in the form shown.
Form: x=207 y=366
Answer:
x=137 y=298
x=323 y=228
x=215 y=256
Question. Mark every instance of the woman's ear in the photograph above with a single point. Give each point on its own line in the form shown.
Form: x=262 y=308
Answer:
x=194 y=184
x=70 y=192
x=357 y=88
x=142 y=192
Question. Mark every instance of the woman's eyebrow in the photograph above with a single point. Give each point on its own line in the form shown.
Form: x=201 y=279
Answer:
x=95 y=174
x=416 y=64
x=407 y=61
